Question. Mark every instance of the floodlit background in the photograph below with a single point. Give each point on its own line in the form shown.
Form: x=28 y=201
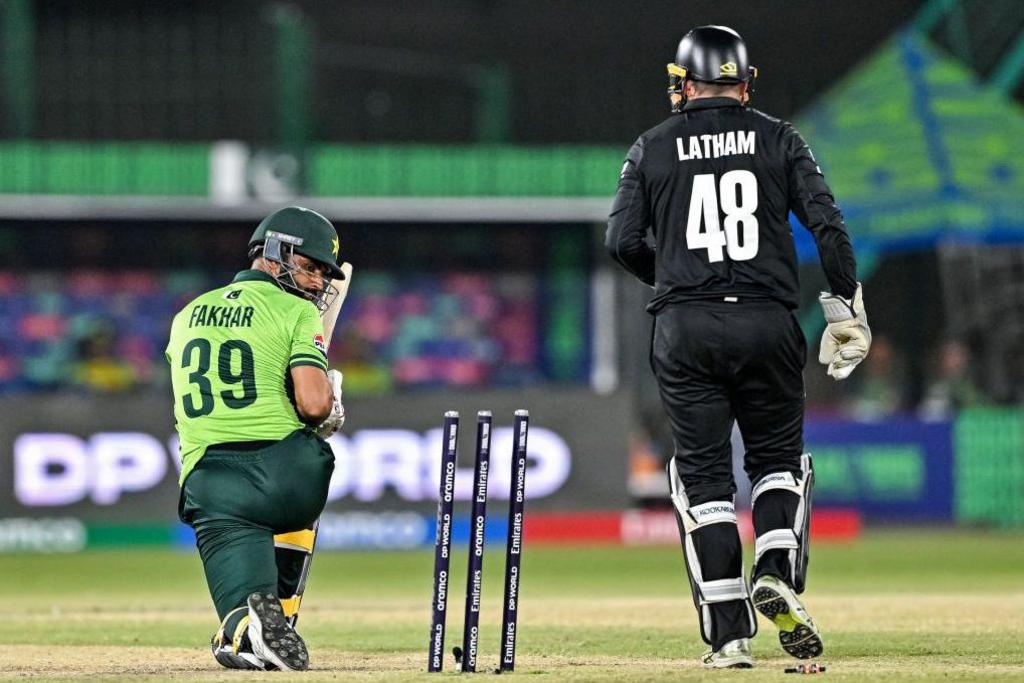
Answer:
x=467 y=152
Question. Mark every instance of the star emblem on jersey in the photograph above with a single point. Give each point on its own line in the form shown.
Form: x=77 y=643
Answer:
x=334 y=246
x=728 y=69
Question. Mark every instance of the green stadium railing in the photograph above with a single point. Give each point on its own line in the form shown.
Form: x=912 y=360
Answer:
x=66 y=168
x=156 y=169
x=472 y=171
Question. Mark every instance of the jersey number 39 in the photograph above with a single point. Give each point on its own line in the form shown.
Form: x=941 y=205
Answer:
x=703 y=230
x=245 y=377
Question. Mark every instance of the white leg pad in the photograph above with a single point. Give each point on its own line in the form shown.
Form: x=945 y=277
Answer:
x=794 y=540
x=691 y=519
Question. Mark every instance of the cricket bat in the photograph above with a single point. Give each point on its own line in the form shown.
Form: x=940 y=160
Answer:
x=330 y=316
x=301 y=543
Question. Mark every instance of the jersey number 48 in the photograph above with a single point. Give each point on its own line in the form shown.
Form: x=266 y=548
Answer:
x=703 y=230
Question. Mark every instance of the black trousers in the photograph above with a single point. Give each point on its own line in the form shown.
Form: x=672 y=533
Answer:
x=717 y=362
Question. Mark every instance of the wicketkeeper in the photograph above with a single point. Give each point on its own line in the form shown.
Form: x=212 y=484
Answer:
x=254 y=401
x=715 y=184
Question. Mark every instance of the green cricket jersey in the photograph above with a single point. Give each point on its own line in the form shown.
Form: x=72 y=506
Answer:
x=230 y=353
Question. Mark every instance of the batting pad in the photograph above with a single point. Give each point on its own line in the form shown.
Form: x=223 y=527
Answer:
x=293 y=553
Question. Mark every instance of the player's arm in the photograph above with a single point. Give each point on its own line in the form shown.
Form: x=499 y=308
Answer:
x=847 y=337
x=313 y=397
x=810 y=199
x=307 y=364
x=630 y=217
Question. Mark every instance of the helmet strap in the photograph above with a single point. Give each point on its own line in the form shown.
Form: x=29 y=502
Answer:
x=677 y=100
x=676 y=87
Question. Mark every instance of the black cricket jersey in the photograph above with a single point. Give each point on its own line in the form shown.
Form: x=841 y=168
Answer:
x=715 y=184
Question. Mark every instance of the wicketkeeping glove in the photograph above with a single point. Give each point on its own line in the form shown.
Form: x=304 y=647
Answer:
x=847 y=337
x=337 y=417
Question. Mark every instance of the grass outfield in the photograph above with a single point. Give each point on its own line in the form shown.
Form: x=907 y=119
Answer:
x=900 y=605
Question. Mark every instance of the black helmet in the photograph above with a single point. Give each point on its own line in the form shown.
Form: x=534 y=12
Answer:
x=710 y=54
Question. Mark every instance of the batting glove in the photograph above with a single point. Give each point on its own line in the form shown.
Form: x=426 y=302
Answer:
x=847 y=337
x=336 y=419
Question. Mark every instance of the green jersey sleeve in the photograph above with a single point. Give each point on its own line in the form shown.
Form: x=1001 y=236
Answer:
x=307 y=343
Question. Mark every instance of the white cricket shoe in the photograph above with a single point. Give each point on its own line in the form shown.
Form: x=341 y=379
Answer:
x=273 y=638
x=733 y=655
x=798 y=635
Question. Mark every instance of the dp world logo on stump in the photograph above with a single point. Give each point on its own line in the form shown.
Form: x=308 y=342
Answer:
x=467 y=654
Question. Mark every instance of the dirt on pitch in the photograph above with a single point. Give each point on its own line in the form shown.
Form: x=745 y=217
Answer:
x=945 y=631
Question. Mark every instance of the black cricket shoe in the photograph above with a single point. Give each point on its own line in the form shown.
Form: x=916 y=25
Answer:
x=236 y=652
x=798 y=635
x=273 y=638
x=231 y=658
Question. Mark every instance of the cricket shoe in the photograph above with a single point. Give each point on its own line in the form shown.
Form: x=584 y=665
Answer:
x=273 y=638
x=232 y=655
x=798 y=635
x=733 y=655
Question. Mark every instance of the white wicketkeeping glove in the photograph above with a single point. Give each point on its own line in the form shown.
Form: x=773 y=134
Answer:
x=337 y=417
x=847 y=337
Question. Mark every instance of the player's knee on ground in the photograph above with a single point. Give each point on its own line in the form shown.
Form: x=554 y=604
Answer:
x=238 y=560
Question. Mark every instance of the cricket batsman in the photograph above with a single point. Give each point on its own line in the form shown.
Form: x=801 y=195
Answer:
x=253 y=402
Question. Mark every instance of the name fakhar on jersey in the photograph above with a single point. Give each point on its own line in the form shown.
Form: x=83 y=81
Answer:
x=221 y=316
x=714 y=146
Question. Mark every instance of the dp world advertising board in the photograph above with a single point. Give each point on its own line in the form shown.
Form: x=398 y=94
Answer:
x=106 y=468
x=110 y=461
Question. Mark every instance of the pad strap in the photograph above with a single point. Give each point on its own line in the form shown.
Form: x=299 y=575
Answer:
x=777 y=480
x=776 y=539
x=723 y=590
x=712 y=512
